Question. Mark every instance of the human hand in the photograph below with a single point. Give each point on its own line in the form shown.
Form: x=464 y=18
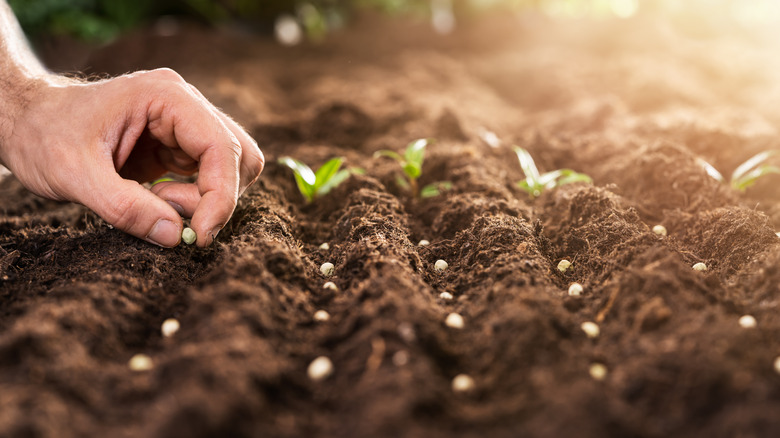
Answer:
x=92 y=143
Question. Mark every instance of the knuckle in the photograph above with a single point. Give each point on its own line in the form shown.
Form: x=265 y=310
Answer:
x=122 y=211
x=166 y=74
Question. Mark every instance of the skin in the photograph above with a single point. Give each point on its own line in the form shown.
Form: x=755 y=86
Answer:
x=94 y=143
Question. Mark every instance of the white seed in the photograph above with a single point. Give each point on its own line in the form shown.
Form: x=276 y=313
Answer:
x=440 y=265
x=445 y=296
x=575 y=290
x=747 y=321
x=330 y=286
x=321 y=316
x=320 y=368
x=140 y=362
x=660 y=230
x=327 y=269
x=700 y=267
x=188 y=236
x=400 y=358
x=423 y=243
x=591 y=329
x=325 y=246
x=598 y=371
x=777 y=234
x=462 y=383
x=406 y=332
x=169 y=327
x=777 y=364
x=454 y=320
x=563 y=265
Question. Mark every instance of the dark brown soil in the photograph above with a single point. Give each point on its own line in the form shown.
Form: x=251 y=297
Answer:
x=78 y=299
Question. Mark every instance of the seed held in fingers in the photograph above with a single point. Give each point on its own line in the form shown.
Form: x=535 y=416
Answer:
x=660 y=230
x=320 y=368
x=575 y=290
x=327 y=269
x=463 y=383
x=169 y=327
x=140 y=362
x=454 y=320
x=188 y=236
x=700 y=267
x=563 y=265
x=440 y=265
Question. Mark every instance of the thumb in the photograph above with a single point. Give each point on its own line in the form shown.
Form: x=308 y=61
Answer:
x=129 y=206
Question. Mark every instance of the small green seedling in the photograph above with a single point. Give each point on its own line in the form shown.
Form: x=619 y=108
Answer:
x=411 y=162
x=315 y=184
x=747 y=173
x=535 y=183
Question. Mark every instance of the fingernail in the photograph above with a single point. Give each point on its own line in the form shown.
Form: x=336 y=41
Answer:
x=179 y=209
x=164 y=233
x=213 y=233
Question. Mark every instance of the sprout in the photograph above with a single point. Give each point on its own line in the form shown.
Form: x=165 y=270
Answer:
x=445 y=296
x=747 y=321
x=325 y=246
x=140 y=362
x=747 y=173
x=463 y=383
x=313 y=185
x=423 y=243
x=327 y=269
x=411 y=164
x=188 y=236
x=598 y=371
x=169 y=327
x=660 y=230
x=454 y=320
x=591 y=329
x=575 y=290
x=320 y=368
x=321 y=316
x=330 y=286
x=440 y=265
x=563 y=265
x=535 y=183
x=700 y=267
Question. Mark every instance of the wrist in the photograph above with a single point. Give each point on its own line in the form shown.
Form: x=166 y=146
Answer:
x=17 y=91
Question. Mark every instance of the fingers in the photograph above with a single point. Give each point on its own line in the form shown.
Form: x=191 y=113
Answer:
x=183 y=197
x=130 y=207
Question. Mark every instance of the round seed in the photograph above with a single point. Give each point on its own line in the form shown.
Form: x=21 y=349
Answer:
x=747 y=321
x=598 y=371
x=575 y=290
x=330 y=286
x=423 y=243
x=440 y=265
x=140 y=362
x=462 y=383
x=563 y=265
x=445 y=296
x=325 y=246
x=321 y=316
x=454 y=320
x=327 y=269
x=591 y=329
x=660 y=230
x=188 y=236
x=169 y=327
x=700 y=267
x=400 y=358
x=320 y=368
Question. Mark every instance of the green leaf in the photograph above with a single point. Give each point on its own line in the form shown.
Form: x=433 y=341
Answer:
x=304 y=177
x=404 y=184
x=334 y=181
x=749 y=165
x=326 y=172
x=390 y=154
x=569 y=176
x=415 y=154
x=412 y=170
x=528 y=167
x=751 y=177
x=711 y=170
x=435 y=189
